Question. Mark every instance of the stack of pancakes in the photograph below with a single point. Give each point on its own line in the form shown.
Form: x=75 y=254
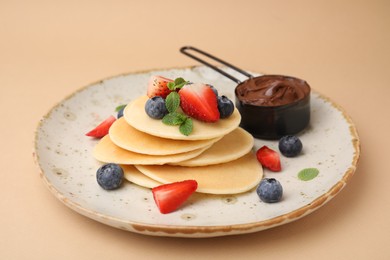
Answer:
x=217 y=155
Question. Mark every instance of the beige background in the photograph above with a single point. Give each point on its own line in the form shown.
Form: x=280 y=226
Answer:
x=48 y=49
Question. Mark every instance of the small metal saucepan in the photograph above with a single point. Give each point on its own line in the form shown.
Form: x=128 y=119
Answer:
x=271 y=106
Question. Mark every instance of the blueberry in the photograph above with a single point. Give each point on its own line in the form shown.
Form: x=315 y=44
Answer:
x=109 y=176
x=290 y=145
x=155 y=107
x=213 y=89
x=225 y=106
x=270 y=190
x=120 y=112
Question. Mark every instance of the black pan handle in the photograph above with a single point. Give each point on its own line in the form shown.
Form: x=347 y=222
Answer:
x=185 y=50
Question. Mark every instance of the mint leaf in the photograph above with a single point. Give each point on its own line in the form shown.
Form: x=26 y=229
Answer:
x=186 y=127
x=308 y=174
x=171 y=85
x=179 y=81
x=180 y=119
x=173 y=119
x=169 y=119
x=119 y=108
x=172 y=102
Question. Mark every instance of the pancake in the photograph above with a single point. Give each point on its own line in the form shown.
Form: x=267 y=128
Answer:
x=136 y=116
x=106 y=151
x=135 y=176
x=233 y=177
x=127 y=137
x=231 y=147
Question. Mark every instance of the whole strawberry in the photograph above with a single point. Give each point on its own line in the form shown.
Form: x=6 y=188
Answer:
x=158 y=86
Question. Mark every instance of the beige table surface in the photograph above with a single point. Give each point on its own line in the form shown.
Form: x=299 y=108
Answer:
x=49 y=49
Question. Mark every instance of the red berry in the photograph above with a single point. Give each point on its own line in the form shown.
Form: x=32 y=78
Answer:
x=102 y=129
x=158 y=86
x=200 y=102
x=169 y=197
x=269 y=159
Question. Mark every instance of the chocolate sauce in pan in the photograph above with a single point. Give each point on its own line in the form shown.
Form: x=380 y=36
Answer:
x=272 y=90
x=272 y=106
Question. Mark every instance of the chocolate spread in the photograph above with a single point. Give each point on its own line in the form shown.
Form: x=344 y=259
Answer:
x=272 y=90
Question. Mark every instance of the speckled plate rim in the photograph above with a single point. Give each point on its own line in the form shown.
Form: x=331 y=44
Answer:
x=196 y=230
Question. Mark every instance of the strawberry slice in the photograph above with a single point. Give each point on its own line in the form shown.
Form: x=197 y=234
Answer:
x=102 y=129
x=171 y=196
x=200 y=102
x=269 y=159
x=157 y=86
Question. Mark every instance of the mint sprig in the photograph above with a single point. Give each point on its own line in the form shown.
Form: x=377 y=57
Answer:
x=177 y=84
x=174 y=118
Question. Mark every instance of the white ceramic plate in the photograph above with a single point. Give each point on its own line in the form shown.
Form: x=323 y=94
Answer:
x=63 y=154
